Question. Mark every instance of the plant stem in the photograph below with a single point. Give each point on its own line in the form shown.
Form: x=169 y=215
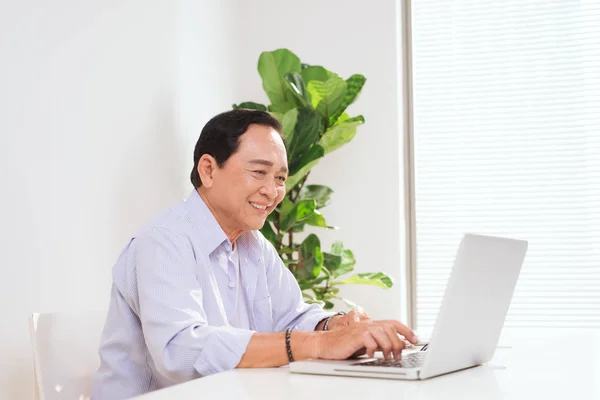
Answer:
x=290 y=241
x=276 y=223
x=300 y=188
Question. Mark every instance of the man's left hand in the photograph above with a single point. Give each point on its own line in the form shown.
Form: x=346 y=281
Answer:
x=354 y=316
x=342 y=321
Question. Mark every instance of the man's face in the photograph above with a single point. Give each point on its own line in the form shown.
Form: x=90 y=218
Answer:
x=252 y=181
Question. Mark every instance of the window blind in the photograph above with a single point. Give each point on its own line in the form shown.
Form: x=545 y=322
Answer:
x=506 y=100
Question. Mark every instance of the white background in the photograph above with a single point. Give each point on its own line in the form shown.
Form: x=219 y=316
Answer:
x=101 y=103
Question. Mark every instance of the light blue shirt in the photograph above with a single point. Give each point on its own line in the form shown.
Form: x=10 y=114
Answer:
x=171 y=315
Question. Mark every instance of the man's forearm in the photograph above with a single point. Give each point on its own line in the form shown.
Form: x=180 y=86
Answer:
x=268 y=349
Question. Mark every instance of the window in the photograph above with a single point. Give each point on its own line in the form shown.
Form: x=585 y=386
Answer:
x=506 y=108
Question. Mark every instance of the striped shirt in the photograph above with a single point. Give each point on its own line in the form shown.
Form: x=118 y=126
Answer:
x=172 y=314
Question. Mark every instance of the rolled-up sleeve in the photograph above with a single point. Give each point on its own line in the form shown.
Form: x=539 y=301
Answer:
x=289 y=308
x=174 y=323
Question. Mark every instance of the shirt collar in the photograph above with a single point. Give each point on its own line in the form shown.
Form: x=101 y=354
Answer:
x=211 y=232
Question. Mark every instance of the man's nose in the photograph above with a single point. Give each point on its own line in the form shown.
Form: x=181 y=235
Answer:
x=269 y=189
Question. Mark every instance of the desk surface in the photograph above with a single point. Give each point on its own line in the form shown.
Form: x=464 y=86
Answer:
x=550 y=367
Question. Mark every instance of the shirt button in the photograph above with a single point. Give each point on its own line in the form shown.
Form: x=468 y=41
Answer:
x=231 y=284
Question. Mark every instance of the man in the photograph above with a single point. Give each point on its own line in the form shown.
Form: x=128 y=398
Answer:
x=199 y=290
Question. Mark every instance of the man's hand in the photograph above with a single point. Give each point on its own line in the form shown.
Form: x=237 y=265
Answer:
x=354 y=316
x=342 y=321
x=369 y=335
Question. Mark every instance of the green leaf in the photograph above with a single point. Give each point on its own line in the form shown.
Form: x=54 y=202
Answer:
x=354 y=85
x=326 y=97
x=312 y=300
x=337 y=248
x=301 y=211
x=250 y=105
x=347 y=259
x=274 y=216
x=317 y=219
x=369 y=278
x=306 y=133
x=279 y=115
x=332 y=291
x=358 y=118
x=311 y=283
x=339 y=135
x=295 y=85
x=288 y=123
x=348 y=263
x=269 y=233
x=285 y=250
x=304 y=209
x=311 y=258
x=285 y=208
x=331 y=261
x=343 y=118
x=282 y=107
x=320 y=193
x=315 y=73
x=298 y=227
x=272 y=67
x=314 y=153
x=293 y=180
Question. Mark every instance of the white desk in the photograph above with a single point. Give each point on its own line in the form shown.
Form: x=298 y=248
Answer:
x=534 y=368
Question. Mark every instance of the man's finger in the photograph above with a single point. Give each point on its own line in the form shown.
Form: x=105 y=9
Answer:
x=397 y=344
x=370 y=344
x=383 y=341
x=403 y=330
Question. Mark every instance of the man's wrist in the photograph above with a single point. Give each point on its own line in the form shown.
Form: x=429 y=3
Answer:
x=332 y=322
x=329 y=322
x=321 y=324
x=305 y=345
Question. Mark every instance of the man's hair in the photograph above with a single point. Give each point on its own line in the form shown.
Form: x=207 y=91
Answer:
x=220 y=137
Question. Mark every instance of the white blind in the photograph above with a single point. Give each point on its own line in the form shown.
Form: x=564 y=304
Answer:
x=507 y=142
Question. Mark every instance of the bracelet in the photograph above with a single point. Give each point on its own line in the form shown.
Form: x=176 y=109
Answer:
x=288 y=344
x=326 y=324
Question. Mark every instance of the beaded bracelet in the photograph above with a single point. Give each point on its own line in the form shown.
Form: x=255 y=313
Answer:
x=288 y=344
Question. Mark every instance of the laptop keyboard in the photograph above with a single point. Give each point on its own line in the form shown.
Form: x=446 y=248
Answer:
x=412 y=360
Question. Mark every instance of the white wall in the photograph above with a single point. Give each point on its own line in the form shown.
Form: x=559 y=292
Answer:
x=101 y=103
x=347 y=36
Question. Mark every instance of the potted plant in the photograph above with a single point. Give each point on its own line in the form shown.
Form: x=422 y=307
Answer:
x=310 y=102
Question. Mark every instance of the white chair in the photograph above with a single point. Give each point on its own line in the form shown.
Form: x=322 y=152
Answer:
x=65 y=353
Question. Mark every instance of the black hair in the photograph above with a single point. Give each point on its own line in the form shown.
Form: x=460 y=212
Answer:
x=220 y=137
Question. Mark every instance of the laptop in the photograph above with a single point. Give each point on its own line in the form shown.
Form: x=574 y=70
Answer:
x=469 y=323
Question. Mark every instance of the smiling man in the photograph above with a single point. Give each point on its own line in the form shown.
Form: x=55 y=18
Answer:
x=199 y=290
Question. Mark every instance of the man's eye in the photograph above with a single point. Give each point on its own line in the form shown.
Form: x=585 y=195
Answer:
x=261 y=172
x=282 y=178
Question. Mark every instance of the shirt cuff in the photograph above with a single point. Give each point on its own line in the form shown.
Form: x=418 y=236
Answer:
x=310 y=321
x=223 y=350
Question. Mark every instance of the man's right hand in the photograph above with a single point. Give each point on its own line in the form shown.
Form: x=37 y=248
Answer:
x=368 y=335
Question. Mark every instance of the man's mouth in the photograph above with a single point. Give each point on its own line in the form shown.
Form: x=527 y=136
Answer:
x=258 y=206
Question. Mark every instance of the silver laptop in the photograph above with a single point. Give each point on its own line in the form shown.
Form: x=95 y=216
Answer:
x=469 y=323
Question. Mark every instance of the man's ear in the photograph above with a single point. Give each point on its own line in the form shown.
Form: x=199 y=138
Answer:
x=206 y=169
